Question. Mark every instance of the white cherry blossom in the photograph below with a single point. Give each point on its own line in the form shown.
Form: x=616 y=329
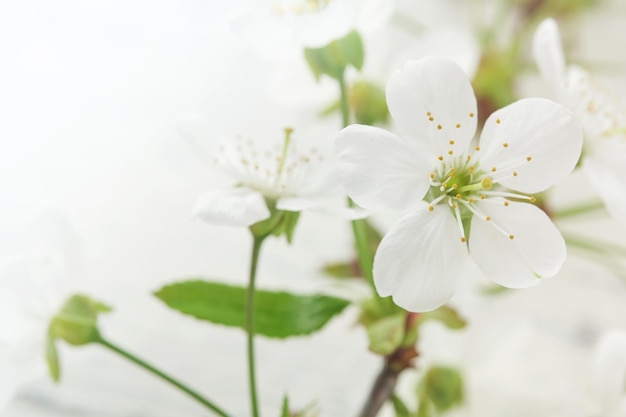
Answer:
x=602 y=116
x=275 y=173
x=456 y=194
x=609 y=373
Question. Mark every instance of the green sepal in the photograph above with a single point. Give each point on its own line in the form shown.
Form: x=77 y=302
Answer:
x=77 y=324
x=399 y=407
x=277 y=314
x=278 y=224
x=334 y=58
x=446 y=315
x=368 y=102
x=52 y=359
x=341 y=270
x=386 y=335
x=443 y=387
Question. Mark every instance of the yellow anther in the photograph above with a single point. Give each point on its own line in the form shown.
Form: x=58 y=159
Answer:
x=440 y=157
x=450 y=152
x=451 y=142
x=498 y=121
x=511 y=237
x=458 y=125
x=471 y=114
x=454 y=206
x=438 y=127
x=444 y=185
x=470 y=200
x=428 y=113
x=469 y=157
x=431 y=208
x=471 y=170
x=478 y=148
x=482 y=196
x=463 y=239
x=458 y=196
x=493 y=169
x=533 y=199
x=505 y=144
x=515 y=173
x=454 y=186
x=432 y=175
x=506 y=204
x=488 y=218
x=431 y=118
x=529 y=158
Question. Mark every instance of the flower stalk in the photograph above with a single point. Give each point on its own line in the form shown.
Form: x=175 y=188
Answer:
x=150 y=368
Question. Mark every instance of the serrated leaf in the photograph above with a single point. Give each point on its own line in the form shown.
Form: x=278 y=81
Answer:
x=277 y=314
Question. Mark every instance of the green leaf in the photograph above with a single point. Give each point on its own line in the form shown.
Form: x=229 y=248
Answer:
x=445 y=314
x=400 y=407
x=277 y=314
x=385 y=335
x=443 y=386
x=334 y=58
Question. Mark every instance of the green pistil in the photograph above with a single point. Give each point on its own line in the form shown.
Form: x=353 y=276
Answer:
x=283 y=157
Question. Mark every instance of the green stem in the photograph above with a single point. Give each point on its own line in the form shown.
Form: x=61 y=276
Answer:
x=193 y=394
x=343 y=99
x=359 y=227
x=578 y=210
x=256 y=249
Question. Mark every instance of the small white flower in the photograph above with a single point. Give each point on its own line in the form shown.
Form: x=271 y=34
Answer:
x=32 y=290
x=449 y=187
x=267 y=172
x=601 y=115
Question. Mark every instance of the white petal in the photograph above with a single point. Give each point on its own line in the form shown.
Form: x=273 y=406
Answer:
x=381 y=171
x=609 y=371
x=607 y=173
x=434 y=88
x=420 y=259
x=232 y=207
x=536 y=138
x=321 y=207
x=548 y=55
x=536 y=251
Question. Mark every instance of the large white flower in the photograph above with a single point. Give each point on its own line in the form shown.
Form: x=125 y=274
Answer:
x=450 y=188
x=32 y=289
x=601 y=115
x=274 y=173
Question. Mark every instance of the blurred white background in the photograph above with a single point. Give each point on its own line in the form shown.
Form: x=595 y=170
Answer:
x=91 y=93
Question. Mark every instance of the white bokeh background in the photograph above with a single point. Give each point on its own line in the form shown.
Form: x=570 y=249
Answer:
x=91 y=94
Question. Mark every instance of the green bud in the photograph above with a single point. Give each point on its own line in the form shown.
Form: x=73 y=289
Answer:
x=386 y=335
x=280 y=223
x=443 y=387
x=368 y=103
x=446 y=315
x=334 y=58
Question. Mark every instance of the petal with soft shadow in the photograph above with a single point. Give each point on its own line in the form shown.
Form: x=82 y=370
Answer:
x=549 y=57
x=531 y=144
x=380 y=170
x=421 y=258
x=432 y=102
x=231 y=207
x=519 y=244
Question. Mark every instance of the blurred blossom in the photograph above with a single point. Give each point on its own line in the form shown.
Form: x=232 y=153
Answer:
x=269 y=174
x=610 y=373
x=32 y=289
x=601 y=115
x=446 y=187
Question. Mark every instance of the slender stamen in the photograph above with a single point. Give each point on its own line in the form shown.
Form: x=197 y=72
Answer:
x=477 y=212
x=459 y=221
x=509 y=195
x=283 y=157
